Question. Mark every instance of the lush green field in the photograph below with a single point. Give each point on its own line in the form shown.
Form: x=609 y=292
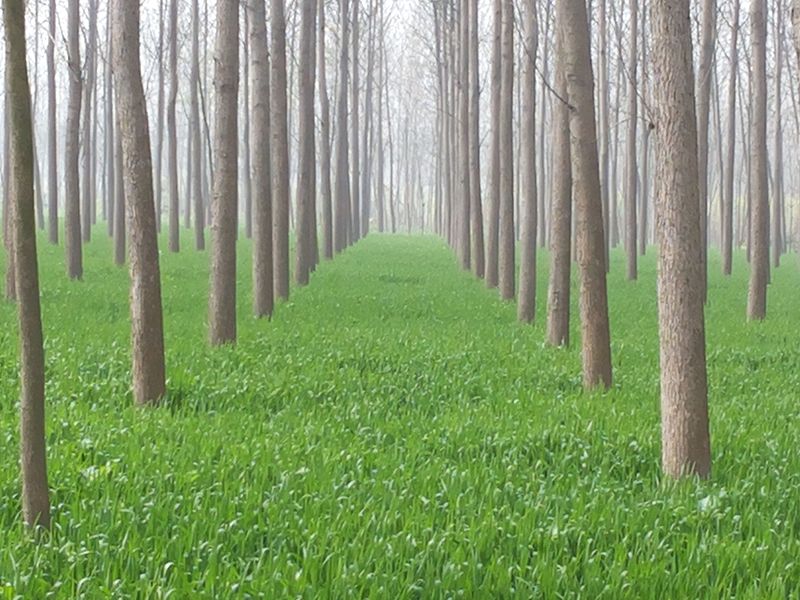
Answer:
x=394 y=433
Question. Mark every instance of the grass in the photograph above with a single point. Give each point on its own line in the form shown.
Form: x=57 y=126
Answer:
x=394 y=433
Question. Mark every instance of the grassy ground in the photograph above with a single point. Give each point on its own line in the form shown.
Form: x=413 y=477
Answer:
x=394 y=433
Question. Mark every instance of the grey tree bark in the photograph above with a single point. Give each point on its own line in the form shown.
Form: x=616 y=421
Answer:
x=526 y=307
x=147 y=323
x=52 y=127
x=595 y=335
x=342 y=223
x=493 y=225
x=632 y=175
x=172 y=131
x=33 y=456
x=72 y=200
x=222 y=297
x=686 y=448
x=325 y=136
x=263 y=297
x=507 y=238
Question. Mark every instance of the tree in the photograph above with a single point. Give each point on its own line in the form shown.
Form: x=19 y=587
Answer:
x=596 y=350
x=35 y=491
x=147 y=324
x=74 y=252
x=172 y=132
x=526 y=309
x=493 y=227
x=632 y=175
x=464 y=150
x=263 y=299
x=476 y=206
x=355 y=174
x=222 y=299
x=120 y=237
x=52 y=128
x=506 y=268
x=558 y=290
x=759 y=221
x=342 y=222
x=709 y=26
x=88 y=190
x=684 y=404
x=195 y=137
x=727 y=219
x=280 y=152
x=306 y=190
x=324 y=136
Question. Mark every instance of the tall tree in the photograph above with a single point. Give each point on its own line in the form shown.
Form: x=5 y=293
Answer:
x=172 y=130
x=596 y=350
x=35 y=491
x=728 y=199
x=759 y=220
x=463 y=239
x=342 y=219
x=159 y=159
x=709 y=27
x=686 y=448
x=222 y=299
x=476 y=206
x=147 y=323
x=88 y=189
x=506 y=268
x=355 y=173
x=324 y=136
x=72 y=200
x=280 y=151
x=263 y=300
x=52 y=129
x=493 y=226
x=306 y=190
x=558 y=291
x=195 y=137
x=526 y=308
x=632 y=178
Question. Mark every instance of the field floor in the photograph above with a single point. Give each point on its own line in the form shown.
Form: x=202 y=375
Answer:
x=393 y=432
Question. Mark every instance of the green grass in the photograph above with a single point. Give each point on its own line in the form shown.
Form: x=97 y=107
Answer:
x=394 y=433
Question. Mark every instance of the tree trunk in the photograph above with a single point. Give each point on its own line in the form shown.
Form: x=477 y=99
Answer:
x=72 y=202
x=342 y=225
x=631 y=173
x=195 y=137
x=493 y=227
x=684 y=405
x=159 y=160
x=280 y=152
x=506 y=243
x=325 y=136
x=147 y=324
x=759 y=220
x=119 y=196
x=526 y=308
x=476 y=207
x=596 y=351
x=355 y=185
x=88 y=189
x=263 y=298
x=222 y=299
x=558 y=294
x=52 y=142
x=109 y=127
x=172 y=133
x=709 y=26
x=306 y=190
x=33 y=458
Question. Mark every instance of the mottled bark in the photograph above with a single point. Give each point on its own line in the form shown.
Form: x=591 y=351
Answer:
x=72 y=200
x=147 y=324
x=222 y=297
x=684 y=404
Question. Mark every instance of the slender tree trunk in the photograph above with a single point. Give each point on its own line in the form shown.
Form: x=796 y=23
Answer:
x=147 y=324
x=195 y=136
x=684 y=405
x=464 y=244
x=172 y=133
x=478 y=252
x=306 y=190
x=526 y=308
x=493 y=227
x=247 y=182
x=33 y=456
x=596 y=351
x=355 y=186
x=222 y=299
x=109 y=127
x=160 y=112
x=263 y=298
x=342 y=225
x=604 y=126
x=777 y=159
x=709 y=26
x=325 y=136
x=74 y=252
x=88 y=189
x=506 y=258
x=558 y=294
x=759 y=220
x=632 y=175
x=280 y=152
x=52 y=143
